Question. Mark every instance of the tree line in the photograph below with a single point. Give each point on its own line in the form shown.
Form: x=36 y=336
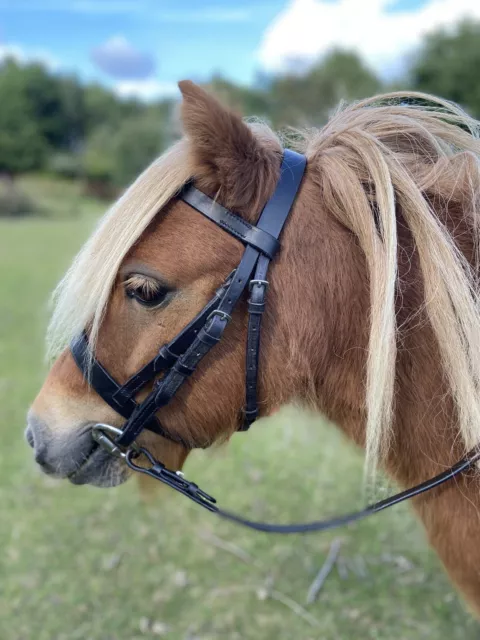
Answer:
x=53 y=122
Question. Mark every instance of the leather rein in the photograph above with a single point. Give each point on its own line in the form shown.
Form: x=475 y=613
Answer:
x=178 y=359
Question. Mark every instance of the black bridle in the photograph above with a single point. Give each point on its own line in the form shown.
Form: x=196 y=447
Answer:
x=178 y=359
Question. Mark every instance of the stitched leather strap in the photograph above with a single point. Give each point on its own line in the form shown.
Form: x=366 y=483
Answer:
x=207 y=337
x=104 y=384
x=271 y=221
x=169 y=353
x=120 y=397
x=292 y=170
x=236 y=226
x=256 y=306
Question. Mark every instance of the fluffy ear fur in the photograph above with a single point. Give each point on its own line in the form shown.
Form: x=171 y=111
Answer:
x=230 y=159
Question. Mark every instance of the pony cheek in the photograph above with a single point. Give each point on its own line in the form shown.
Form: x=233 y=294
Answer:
x=171 y=454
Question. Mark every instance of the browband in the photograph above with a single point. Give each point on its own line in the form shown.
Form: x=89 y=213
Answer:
x=230 y=222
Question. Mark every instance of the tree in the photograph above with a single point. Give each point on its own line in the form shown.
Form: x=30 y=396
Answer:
x=99 y=156
x=115 y=157
x=47 y=95
x=447 y=65
x=22 y=145
x=308 y=98
x=102 y=107
x=246 y=100
x=138 y=142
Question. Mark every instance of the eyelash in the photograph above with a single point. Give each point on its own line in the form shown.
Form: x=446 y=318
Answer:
x=148 y=293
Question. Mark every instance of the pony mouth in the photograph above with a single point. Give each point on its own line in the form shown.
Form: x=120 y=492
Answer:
x=84 y=462
x=99 y=468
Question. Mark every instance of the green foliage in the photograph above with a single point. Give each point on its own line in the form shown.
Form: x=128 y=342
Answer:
x=307 y=99
x=246 y=100
x=60 y=198
x=137 y=143
x=104 y=107
x=22 y=146
x=448 y=63
x=56 y=103
x=117 y=157
x=52 y=121
x=99 y=156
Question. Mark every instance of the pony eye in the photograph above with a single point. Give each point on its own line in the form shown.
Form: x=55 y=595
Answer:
x=146 y=291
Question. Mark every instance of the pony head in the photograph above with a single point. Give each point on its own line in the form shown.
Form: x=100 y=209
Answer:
x=369 y=254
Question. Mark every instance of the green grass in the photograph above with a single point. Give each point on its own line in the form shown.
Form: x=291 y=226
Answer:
x=80 y=562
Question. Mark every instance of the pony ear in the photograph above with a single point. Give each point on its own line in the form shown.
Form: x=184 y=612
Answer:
x=228 y=157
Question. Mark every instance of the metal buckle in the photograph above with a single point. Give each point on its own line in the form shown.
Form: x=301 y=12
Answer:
x=221 y=314
x=174 y=479
x=261 y=283
x=99 y=434
x=220 y=292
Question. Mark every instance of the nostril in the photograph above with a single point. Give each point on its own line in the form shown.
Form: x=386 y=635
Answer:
x=38 y=437
x=41 y=456
x=36 y=433
x=41 y=460
x=29 y=437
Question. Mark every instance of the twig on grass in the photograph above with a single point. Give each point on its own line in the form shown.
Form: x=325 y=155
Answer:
x=267 y=593
x=225 y=545
x=294 y=606
x=324 y=572
x=359 y=566
x=342 y=568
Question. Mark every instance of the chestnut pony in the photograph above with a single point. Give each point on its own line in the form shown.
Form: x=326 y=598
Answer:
x=372 y=314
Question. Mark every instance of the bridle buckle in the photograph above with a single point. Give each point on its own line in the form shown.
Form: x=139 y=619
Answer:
x=260 y=283
x=221 y=314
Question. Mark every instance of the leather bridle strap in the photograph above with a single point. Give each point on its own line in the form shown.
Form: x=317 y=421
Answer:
x=178 y=359
x=282 y=200
x=256 y=237
x=178 y=482
x=120 y=397
x=261 y=245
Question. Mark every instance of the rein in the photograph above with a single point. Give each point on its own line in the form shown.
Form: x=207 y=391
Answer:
x=178 y=359
x=176 y=480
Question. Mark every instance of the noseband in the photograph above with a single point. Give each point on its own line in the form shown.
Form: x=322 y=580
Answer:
x=178 y=359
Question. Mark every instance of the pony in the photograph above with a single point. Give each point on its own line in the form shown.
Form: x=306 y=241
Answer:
x=372 y=316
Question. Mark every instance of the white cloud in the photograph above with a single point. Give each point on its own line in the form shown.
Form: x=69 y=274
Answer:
x=306 y=29
x=146 y=90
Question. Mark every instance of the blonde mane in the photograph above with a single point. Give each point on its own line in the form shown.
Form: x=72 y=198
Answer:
x=382 y=155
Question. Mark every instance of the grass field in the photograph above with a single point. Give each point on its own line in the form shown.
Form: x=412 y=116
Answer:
x=90 y=564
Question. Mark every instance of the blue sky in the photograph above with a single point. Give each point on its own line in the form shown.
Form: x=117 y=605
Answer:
x=143 y=47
